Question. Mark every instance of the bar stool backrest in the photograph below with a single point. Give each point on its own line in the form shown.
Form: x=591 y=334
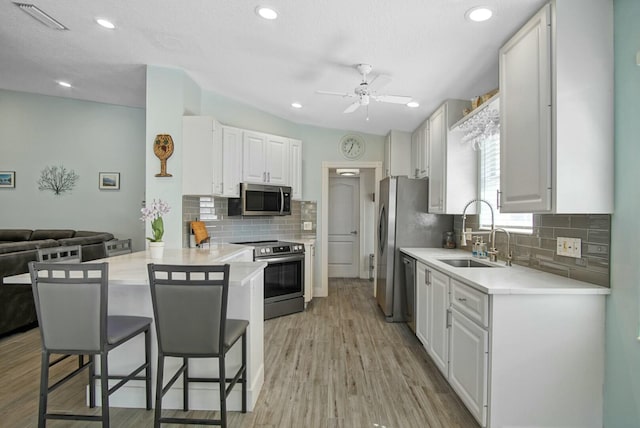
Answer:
x=63 y=254
x=190 y=308
x=71 y=304
x=117 y=247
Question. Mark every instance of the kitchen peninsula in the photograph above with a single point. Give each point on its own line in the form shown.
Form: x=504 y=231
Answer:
x=129 y=294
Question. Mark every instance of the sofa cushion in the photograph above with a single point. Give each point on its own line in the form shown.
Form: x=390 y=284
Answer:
x=86 y=240
x=14 y=235
x=52 y=234
x=83 y=233
x=16 y=247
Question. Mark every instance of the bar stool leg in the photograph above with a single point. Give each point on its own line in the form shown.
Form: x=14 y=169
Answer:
x=92 y=381
x=147 y=372
x=160 y=373
x=244 y=372
x=185 y=384
x=44 y=388
x=223 y=392
x=104 y=387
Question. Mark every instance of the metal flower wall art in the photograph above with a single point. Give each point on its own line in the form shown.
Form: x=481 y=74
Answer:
x=58 y=179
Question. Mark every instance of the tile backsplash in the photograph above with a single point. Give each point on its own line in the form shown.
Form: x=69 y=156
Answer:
x=222 y=228
x=538 y=250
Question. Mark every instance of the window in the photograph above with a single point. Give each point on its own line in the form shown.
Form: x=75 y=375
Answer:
x=489 y=185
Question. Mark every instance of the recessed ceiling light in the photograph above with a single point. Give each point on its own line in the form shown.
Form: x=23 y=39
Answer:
x=413 y=104
x=105 y=23
x=266 y=12
x=65 y=84
x=296 y=105
x=479 y=14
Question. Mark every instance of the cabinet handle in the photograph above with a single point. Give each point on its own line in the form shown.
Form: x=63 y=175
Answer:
x=268 y=177
x=264 y=177
x=448 y=318
x=498 y=192
x=427 y=277
x=462 y=299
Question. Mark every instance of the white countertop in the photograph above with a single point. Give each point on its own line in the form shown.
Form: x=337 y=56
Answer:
x=132 y=268
x=502 y=279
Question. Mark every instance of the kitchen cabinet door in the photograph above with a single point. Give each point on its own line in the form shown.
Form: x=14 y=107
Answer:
x=397 y=154
x=201 y=156
x=276 y=163
x=231 y=161
x=525 y=118
x=556 y=111
x=437 y=143
x=422 y=307
x=295 y=173
x=420 y=151
x=265 y=158
x=438 y=329
x=468 y=364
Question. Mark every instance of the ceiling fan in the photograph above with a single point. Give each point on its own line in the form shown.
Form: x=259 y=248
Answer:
x=368 y=90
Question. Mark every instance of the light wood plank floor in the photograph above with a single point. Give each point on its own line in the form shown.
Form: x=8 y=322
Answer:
x=338 y=364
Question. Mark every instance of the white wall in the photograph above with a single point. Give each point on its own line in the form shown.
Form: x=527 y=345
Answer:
x=37 y=131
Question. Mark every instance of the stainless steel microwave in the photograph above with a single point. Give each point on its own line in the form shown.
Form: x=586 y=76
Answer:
x=261 y=199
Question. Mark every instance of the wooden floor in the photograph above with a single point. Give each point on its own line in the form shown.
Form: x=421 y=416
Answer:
x=338 y=364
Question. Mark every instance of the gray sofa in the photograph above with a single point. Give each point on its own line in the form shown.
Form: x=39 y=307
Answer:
x=18 y=247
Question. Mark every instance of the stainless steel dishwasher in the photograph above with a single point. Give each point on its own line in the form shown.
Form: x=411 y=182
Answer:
x=409 y=264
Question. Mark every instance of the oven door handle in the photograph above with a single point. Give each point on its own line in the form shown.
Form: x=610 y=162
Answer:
x=292 y=258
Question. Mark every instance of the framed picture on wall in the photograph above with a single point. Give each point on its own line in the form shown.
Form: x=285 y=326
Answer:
x=109 y=181
x=7 y=179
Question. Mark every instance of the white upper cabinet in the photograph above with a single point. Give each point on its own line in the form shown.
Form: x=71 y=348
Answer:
x=232 y=161
x=452 y=166
x=266 y=158
x=556 y=111
x=295 y=172
x=420 y=151
x=397 y=154
x=201 y=156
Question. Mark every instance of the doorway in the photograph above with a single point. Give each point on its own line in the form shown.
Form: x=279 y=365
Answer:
x=367 y=221
x=344 y=225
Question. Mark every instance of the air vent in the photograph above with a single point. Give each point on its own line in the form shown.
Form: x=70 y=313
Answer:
x=41 y=16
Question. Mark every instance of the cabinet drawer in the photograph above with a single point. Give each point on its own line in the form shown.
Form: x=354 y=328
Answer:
x=470 y=302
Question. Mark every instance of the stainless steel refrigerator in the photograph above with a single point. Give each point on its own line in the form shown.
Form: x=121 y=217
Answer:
x=403 y=221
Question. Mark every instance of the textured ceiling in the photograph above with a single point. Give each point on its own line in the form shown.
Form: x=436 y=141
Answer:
x=427 y=47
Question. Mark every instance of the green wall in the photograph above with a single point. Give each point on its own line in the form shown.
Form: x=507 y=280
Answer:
x=37 y=131
x=622 y=370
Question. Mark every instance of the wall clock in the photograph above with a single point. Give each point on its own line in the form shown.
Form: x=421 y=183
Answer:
x=352 y=146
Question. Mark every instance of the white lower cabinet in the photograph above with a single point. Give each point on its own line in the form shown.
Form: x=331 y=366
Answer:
x=468 y=363
x=515 y=359
x=309 y=259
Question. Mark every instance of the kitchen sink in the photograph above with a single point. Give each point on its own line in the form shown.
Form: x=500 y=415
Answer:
x=466 y=263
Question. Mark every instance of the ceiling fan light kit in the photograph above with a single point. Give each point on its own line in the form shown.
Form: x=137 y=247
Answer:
x=367 y=90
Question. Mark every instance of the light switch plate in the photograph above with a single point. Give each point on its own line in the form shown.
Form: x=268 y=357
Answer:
x=307 y=225
x=569 y=247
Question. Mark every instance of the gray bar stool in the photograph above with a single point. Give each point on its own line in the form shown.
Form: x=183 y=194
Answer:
x=190 y=309
x=117 y=247
x=71 y=303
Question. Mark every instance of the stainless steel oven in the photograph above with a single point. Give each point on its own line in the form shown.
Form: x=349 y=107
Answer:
x=283 y=276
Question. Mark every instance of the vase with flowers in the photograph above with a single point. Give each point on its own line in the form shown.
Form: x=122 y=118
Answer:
x=154 y=213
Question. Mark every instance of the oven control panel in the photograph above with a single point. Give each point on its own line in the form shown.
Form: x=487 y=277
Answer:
x=281 y=249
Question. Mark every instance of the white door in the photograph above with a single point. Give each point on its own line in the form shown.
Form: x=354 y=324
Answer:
x=344 y=220
x=277 y=160
x=253 y=152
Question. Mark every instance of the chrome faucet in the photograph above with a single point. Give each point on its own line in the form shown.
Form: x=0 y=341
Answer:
x=463 y=239
x=493 y=253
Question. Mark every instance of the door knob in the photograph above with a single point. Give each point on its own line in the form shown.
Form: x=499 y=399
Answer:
x=354 y=232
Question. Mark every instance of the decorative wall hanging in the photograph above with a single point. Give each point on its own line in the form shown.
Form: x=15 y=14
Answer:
x=163 y=149
x=109 y=181
x=57 y=179
x=7 y=179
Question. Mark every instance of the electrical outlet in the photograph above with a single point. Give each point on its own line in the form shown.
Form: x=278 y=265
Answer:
x=307 y=225
x=569 y=247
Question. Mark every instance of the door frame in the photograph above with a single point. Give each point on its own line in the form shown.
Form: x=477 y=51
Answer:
x=323 y=290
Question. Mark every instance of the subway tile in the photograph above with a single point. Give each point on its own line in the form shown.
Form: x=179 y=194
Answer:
x=554 y=220
x=599 y=237
x=598 y=278
x=571 y=233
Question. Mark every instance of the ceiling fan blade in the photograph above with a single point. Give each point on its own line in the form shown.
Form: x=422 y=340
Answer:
x=379 y=82
x=396 y=99
x=340 y=94
x=353 y=107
